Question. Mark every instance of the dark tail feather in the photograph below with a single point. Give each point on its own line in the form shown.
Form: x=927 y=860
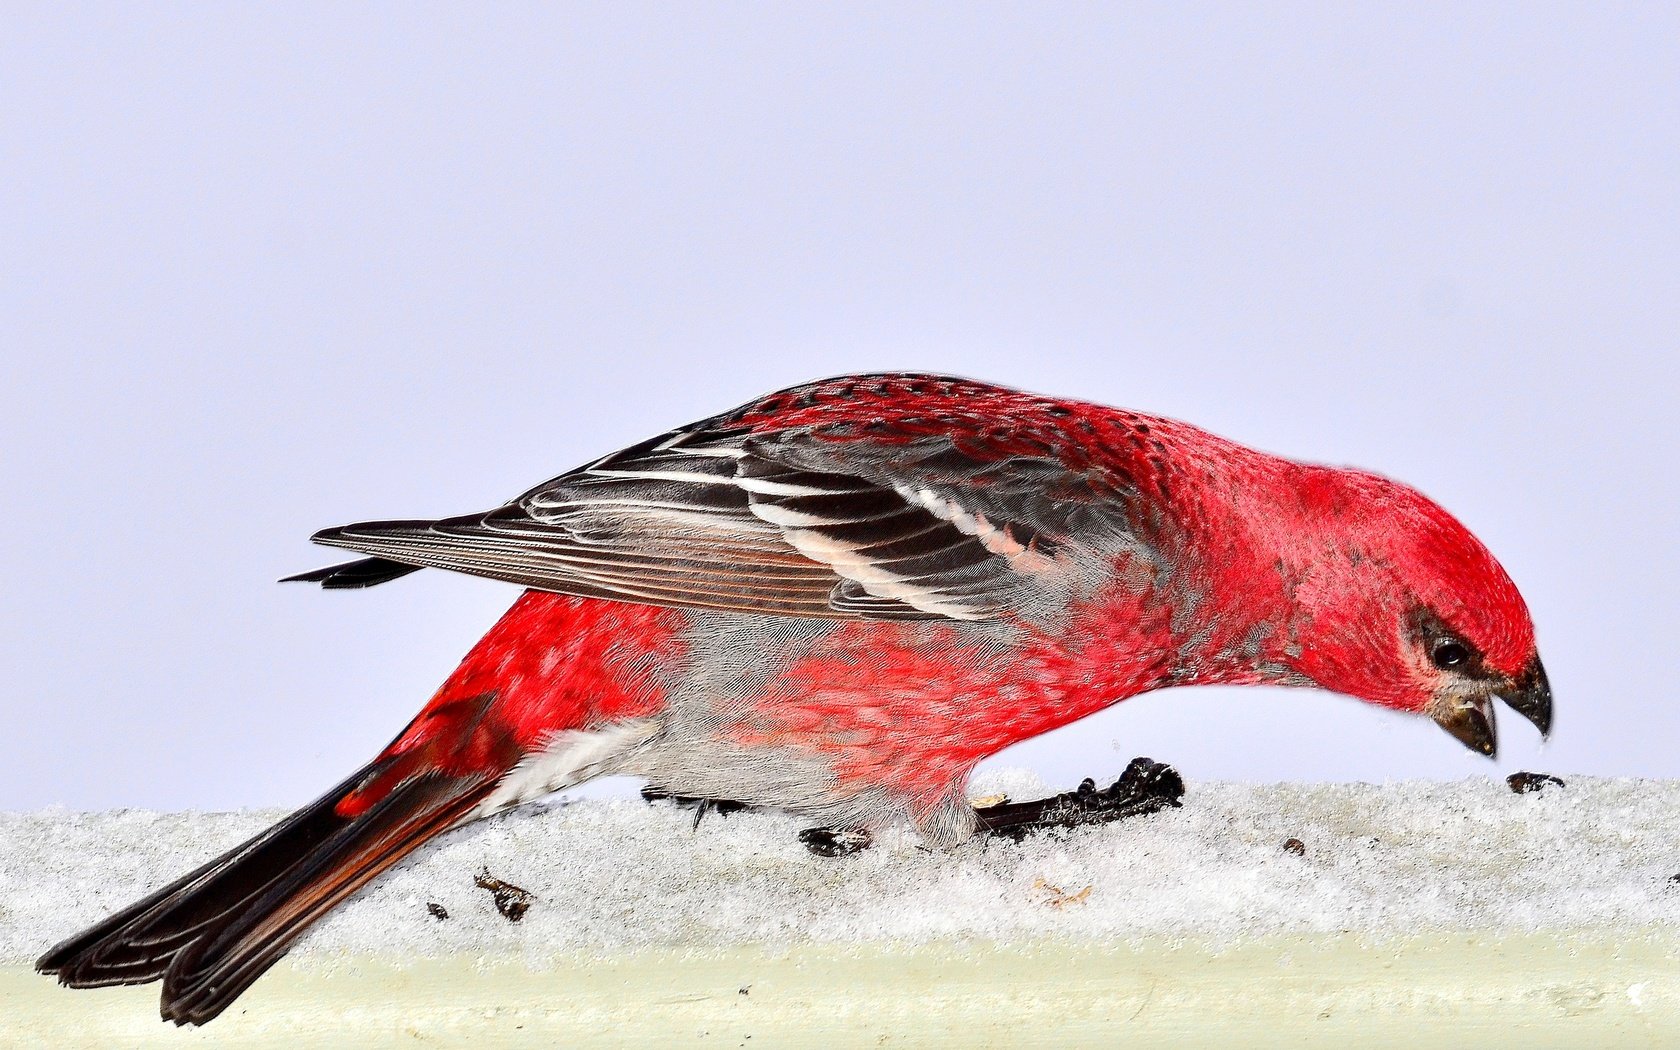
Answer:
x=364 y=572
x=212 y=933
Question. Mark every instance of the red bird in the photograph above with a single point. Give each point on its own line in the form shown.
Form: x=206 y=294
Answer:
x=837 y=600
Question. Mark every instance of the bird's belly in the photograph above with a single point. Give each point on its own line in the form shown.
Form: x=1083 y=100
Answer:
x=867 y=716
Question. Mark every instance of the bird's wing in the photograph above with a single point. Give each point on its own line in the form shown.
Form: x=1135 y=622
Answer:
x=874 y=513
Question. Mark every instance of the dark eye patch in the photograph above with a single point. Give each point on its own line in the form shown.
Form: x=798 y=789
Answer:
x=1447 y=649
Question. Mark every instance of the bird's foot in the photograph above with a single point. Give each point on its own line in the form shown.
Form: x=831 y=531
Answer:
x=1145 y=787
x=824 y=842
x=833 y=842
x=702 y=806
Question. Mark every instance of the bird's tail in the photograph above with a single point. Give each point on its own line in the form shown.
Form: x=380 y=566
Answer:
x=213 y=932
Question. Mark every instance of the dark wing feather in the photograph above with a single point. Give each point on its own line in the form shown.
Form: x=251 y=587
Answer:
x=790 y=522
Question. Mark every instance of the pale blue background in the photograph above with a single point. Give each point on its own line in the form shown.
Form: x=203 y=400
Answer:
x=270 y=270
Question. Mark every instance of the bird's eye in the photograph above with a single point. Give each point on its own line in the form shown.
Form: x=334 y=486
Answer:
x=1449 y=654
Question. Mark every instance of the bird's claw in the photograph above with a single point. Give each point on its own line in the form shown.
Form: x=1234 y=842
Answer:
x=832 y=842
x=1145 y=787
x=702 y=806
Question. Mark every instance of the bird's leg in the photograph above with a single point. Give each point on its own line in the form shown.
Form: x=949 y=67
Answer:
x=1145 y=787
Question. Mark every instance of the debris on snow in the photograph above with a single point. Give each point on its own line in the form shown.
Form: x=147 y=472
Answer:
x=1529 y=783
x=1056 y=897
x=511 y=901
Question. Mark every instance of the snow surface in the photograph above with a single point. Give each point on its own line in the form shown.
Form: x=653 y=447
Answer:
x=612 y=875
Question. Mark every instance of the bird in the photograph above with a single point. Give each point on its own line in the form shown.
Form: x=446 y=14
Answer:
x=835 y=600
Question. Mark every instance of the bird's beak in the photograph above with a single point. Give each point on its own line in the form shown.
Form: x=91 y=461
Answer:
x=1469 y=718
x=1531 y=696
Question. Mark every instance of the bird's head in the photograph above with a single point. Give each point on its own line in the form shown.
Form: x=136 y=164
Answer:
x=1399 y=604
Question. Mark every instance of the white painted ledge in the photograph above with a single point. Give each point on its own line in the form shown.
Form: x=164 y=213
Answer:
x=1464 y=991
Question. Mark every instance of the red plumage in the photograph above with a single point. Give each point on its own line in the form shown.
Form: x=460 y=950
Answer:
x=837 y=600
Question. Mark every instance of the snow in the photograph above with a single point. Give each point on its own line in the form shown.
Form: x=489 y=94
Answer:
x=616 y=875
